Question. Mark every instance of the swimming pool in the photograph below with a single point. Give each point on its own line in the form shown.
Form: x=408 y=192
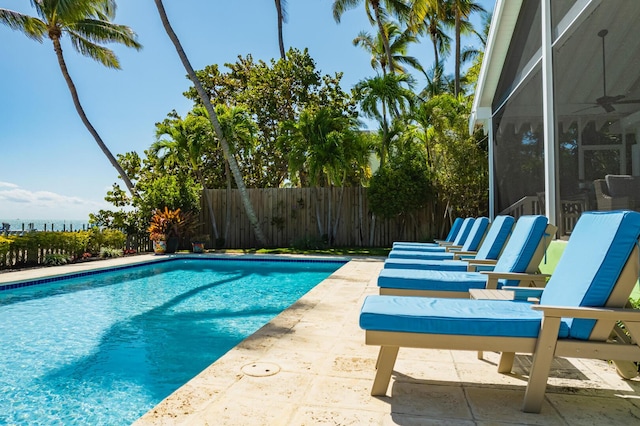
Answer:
x=106 y=348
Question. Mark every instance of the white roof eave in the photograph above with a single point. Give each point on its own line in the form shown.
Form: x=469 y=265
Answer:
x=503 y=22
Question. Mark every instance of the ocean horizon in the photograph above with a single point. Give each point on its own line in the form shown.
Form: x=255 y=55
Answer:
x=46 y=224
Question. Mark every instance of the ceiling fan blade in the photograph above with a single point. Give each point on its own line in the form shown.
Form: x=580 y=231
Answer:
x=608 y=107
x=587 y=108
x=628 y=101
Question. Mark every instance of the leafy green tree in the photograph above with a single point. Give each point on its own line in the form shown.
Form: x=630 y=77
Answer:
x=235 y=170
x=88 y=25
x=458 y=160
x=402 y=186
x=272 y=93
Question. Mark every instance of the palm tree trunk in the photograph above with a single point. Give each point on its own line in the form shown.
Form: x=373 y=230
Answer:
x=457 y=76
x=336 y=222
x=318 y=217
x=385 y=134
x=76 y=102
x=280 y=21
x=435 y=50
x=207 y=199
x=383 y=35
x=329 y=214
x=233 y=165
x=227 y=226
x=372 y=229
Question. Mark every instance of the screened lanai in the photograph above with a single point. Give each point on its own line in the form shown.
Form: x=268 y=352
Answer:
x=559 y=97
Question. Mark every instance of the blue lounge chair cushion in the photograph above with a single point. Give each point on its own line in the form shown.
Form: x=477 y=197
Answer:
x=496 y=237
x=490 y=249
x=460 y=239
x=413 y=279
x=423 y=254
x=590 y=266
x=476 y=234
x=524 y=241
x=525 y=238
x=455 y=228
x=433 y=265
x=452 y=316
x=453 y=232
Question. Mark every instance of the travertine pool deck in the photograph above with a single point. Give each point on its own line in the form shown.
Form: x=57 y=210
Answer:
x=310 y=366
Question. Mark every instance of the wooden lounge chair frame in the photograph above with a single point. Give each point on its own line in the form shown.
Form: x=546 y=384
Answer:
x=528 y=278
x=544 y=348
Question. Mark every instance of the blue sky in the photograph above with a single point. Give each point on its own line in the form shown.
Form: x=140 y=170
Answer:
x=50 y=166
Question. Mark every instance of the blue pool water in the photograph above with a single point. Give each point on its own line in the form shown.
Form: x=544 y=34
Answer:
x=106 y=348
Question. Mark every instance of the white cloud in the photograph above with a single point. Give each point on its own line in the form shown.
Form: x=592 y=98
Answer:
x=16 y=202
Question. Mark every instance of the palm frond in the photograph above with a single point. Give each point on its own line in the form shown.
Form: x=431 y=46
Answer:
x=341 y=6
x=100 y=31
x=94 y=51
x=32 y=27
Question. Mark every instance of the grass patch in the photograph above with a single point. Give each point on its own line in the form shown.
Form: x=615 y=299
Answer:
x=333 y=251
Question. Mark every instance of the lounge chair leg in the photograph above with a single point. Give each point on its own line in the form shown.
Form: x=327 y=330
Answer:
x=542 y=358
x=506 y=362
x=480 y=355
x=626 y=369
x=386 y=361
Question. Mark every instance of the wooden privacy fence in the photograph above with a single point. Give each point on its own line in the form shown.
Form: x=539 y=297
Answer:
x=290 y=215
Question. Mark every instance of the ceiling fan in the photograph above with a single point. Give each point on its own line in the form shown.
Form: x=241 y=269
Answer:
x=606 y=101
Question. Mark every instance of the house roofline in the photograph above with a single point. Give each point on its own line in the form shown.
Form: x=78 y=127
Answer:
x=503 y=23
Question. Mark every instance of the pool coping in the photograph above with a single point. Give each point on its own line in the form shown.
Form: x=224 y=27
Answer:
x=44 y=275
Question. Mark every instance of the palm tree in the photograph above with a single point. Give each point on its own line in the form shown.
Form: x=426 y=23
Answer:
x=376 y=13
x=326 y=145
x=238 y=128
x=433 y=20
x=184 y=142
x=281 y=8
x=87 y=23
x=398 y=43
x=385 y=97
x=461 y=10
x=233 y=165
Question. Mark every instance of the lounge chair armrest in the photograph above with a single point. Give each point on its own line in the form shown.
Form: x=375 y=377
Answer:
x=479 y=268
x=518 y=276
x=459 y=253
x=481 y=265
x=538 y=280
x=525 y=293
x=465 y=257
x=484 y=261
x=614 y=314
x=452 y=248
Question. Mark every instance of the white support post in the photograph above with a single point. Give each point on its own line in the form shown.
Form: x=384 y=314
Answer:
x=492 y=176
x=548 y=114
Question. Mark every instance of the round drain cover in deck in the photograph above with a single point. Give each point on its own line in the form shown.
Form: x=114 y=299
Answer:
x=261 y=369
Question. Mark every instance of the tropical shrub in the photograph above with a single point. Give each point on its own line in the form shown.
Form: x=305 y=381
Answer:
x=55 y=259
x=110 y=252
x=401 y=186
